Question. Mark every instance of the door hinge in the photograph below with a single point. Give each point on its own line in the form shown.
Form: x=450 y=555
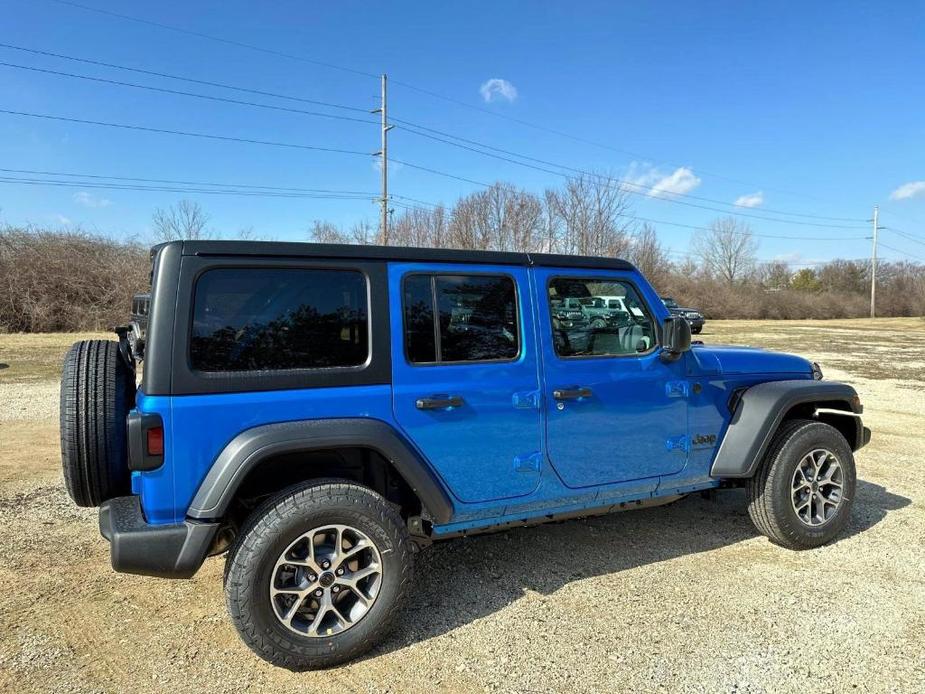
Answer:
x=526 y=400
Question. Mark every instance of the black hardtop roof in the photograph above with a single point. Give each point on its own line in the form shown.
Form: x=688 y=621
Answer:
x=281 y=249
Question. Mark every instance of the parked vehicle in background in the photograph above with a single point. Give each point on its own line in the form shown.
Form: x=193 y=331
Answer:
x=691 y=315
x=619 y=303
x=321 y=413
x=600 y=315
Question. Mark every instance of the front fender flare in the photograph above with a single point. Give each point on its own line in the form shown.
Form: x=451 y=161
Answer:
x=249 y=448
x=759 y=412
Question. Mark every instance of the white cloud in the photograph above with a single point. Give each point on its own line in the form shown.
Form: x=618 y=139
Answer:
x=907 y=191
x=89 y=200
x=750 y=200
x=62 y=220
x=497 y=88
x=661 y=185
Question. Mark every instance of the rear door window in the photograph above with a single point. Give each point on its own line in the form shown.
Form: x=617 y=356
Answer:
x=258 y=319
x=460 y=318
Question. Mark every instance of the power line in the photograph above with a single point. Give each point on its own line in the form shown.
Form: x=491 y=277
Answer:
x=333 y=66
x=97 y=185
x=153 y=73
x=217 y=39
x=629 y=186
x=208 y=136
x=622 y=182
x=909 y=255
x=439 y=173
x=135 y=179
x=748 y=233
x=209 y=97
x=906 y=235
x=675 y=224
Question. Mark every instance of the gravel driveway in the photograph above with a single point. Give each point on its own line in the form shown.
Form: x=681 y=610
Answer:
x=681 y=598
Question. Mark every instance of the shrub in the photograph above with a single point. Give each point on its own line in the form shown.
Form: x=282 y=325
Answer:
x=67 y=280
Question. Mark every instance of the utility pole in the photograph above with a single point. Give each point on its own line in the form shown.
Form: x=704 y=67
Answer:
x=873 y=265
x=384 y=153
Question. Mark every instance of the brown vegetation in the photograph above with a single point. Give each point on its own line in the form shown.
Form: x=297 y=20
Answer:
x=51 y=281
x=66 y=280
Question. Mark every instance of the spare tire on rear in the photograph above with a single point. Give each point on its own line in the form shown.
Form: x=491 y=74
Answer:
x=97 y=391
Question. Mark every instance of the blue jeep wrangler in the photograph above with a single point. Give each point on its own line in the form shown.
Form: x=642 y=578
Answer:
x=321 y=413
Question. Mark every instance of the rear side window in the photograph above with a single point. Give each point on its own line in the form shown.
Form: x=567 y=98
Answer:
x=257 y=319
x=460 y=318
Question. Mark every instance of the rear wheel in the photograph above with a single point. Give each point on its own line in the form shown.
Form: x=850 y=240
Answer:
x=97 y=391
x=802 y=494
x=318 y=575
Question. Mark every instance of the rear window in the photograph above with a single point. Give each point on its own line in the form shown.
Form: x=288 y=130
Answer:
x=258 y=319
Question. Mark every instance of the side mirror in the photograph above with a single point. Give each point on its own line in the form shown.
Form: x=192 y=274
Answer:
x=676 y=337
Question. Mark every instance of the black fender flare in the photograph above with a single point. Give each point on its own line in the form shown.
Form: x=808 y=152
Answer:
x=249 y=448
x=760 y=410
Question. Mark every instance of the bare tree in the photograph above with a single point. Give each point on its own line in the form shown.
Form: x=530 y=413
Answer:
x=647 y=254
x=501 y=218
x=420 y=227
x=185 y=220
x=325 y=232
x=591 y=215
x=727 y=249
x=775 y=275
x=363 y=233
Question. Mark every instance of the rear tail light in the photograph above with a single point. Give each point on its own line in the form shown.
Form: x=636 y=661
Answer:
x=155 y=441
x=145 y=434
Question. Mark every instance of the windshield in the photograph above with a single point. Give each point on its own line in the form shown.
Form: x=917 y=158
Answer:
x=669 y=302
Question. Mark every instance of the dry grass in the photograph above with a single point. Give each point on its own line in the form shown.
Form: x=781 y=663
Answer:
x=682 y=598
x=32 y=357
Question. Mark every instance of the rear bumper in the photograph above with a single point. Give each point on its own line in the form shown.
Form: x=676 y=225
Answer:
x=136 y=547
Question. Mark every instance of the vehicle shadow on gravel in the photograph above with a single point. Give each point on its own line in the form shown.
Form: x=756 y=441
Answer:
x=459 y=581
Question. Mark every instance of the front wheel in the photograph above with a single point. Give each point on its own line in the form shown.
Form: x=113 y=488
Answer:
x=802 y=494
x=318 y=575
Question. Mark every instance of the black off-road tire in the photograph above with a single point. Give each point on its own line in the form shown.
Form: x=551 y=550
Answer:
x=696 y=331
x=272 y=528
x=97 y=391
x=770 y=490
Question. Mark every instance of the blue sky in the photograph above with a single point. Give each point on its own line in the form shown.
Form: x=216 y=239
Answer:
x=810 y=108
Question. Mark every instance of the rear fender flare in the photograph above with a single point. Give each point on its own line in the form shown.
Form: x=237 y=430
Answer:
x=759 y=412
x=249 y=448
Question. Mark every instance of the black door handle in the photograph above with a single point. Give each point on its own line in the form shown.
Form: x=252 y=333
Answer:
x=572 y=393
x=439 y=402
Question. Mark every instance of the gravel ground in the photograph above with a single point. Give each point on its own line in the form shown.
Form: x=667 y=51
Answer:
x=682 y=598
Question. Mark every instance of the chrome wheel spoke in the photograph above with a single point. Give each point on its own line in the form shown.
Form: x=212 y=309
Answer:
x=325 y=581
x=817 y=486
x=355 y=577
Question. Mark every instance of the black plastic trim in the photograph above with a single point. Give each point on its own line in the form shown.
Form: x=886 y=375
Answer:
x=249 y=448
x=760 y=410
x=165 y=279
x=377 y=370
x=136 y=547
x=136 y=426
x=346 y=251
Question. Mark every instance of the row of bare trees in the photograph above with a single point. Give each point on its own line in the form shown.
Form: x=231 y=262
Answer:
x=70 y=280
